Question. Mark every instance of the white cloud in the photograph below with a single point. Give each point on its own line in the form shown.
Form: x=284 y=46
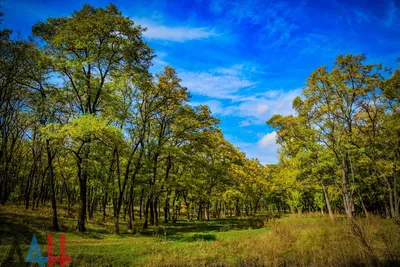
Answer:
x=214 y=105
x=157 y=31
x=232 y=84
x=258 y=109
x=268 y=140
x=262 y=108
x=266 y=155
x=215 y=84
x=234 y=70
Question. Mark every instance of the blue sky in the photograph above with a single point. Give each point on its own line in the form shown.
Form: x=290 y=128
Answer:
x=246 y=59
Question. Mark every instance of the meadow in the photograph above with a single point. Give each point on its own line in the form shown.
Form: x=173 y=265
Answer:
x=286 y=240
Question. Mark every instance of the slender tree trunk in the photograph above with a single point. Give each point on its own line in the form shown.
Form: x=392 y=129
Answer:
x=122 y=188
x=29 y=184
x=208 y=210
x=130 y=208
x=146 y=213
x=152 y=221
x=347 y=197
x=166 y=208
x=82 y=175
x=237 y=213
x=187 y=207
x=69 y=200
x=200 y=212
x=155 y=209
x=141 y=204
x=53 y=193
x=82 y=205
x=328 y=203
x=105 y=199
x=174 y=209
x=363 y=205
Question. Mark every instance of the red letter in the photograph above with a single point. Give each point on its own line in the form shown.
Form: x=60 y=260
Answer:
x=63 y=258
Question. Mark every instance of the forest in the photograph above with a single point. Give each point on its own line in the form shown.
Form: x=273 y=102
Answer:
x=93 y=143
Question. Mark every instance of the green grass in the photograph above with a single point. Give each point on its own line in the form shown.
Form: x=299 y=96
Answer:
x=98 y=246
x=306 y=240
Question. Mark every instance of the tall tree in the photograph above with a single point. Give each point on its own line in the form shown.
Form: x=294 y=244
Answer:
x=89 y=50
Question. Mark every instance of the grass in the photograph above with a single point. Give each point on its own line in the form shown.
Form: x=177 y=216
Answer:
x=302 y=240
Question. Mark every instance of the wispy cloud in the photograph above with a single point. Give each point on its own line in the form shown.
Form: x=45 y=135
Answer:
x=268 y=140
x=275 y=20
x=219 y=83
x=232 y=93
x=159 y=62
x=214 y=105
x=156 y=31
x=265 y=149
x=391 y=14
x=256 y=110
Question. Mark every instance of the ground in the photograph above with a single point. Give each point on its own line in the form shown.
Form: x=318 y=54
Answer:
x=305 y=239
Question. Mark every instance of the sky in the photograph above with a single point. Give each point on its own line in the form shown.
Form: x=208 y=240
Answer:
x=247 y=60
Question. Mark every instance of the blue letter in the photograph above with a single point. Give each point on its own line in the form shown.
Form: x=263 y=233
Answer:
x=34 y=254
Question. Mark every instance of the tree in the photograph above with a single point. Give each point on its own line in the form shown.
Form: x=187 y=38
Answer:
x=339 y=134
x=90 y=50
x=333 y=102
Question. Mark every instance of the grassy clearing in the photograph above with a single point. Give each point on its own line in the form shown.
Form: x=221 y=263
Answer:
x=306 y=240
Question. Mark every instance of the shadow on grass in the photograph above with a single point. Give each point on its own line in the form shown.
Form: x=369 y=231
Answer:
x=182 y=230
x=25 y=225
x=201 y=237
x=219 y=225
x=19 y=230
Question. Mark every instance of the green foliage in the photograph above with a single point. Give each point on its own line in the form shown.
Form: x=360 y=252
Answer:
x=339 y=137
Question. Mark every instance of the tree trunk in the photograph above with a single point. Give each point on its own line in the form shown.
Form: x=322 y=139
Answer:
x=152 y=211
x=82 y=175
x=187 y=207
x=155 y=209
x=105 y=198
x=146 y=214
x=53 y=193
x=82 y=205
x=141 y=204
x=200 y=212
x=131 y=213
x=328 y=203
x=347 y=197
x=116 y=224
x=166 y=208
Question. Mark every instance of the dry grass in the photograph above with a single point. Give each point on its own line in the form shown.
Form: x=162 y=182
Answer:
x=300 y=240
